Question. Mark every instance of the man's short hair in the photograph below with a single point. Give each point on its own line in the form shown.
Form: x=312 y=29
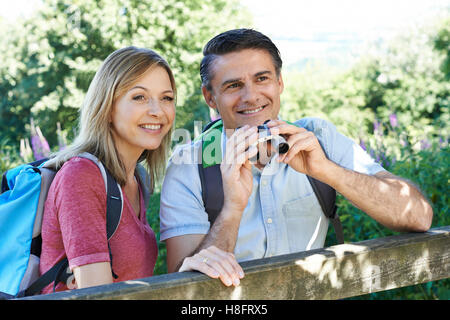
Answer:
x=233 y=41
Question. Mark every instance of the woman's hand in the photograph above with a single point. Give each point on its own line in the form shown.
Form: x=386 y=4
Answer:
x=215 y=263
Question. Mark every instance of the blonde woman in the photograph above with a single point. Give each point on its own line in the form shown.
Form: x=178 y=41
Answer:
x=126 y=117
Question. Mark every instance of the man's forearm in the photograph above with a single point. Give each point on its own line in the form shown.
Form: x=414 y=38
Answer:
x=391 y=201
x=223 y=233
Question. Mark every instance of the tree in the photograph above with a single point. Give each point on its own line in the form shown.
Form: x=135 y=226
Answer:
x=50 y=59
x=442 y=44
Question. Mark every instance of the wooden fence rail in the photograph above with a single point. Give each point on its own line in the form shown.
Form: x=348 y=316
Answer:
x=330 y=273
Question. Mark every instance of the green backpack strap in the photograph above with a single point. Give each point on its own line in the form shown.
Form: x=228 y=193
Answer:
x=212 y=188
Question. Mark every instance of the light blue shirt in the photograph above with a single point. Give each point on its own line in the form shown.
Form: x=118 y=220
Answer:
x=283 y=214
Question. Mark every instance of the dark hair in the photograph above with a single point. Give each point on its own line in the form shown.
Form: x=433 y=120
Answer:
x=232 y=41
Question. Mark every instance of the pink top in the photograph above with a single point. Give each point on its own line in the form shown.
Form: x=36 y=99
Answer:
x=74 y=223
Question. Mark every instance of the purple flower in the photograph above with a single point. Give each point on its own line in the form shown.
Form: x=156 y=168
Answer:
x=39 y=144
x=404 y=142
x=424 y=144
x=25 y=150
x=376 y=128
x=376 y=125
x=362 y=144
x=393 y=120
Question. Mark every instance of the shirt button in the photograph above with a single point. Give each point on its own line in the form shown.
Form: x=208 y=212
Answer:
x=264 y=183
x=269 y=220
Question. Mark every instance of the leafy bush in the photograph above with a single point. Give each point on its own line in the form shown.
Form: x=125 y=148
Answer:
x=428 y=169
x=394 y=101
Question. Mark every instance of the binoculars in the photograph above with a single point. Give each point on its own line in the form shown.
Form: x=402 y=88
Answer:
x=278 y=142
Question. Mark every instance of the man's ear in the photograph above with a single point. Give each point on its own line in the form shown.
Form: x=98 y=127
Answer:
x=209 y=98
x=281 y=83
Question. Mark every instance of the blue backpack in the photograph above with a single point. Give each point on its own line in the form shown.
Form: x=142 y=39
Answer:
x=23 y=193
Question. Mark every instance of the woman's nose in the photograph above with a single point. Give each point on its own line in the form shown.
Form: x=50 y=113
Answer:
x=154 y=108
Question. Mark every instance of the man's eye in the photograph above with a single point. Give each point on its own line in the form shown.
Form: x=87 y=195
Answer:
x=233 y=85
x=262 y=78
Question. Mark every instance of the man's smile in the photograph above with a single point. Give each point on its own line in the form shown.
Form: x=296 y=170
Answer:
x=249 y=111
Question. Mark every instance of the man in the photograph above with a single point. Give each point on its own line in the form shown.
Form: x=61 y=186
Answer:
x=269 y=206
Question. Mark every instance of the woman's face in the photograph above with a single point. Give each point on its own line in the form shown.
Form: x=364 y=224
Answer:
x=144 y=114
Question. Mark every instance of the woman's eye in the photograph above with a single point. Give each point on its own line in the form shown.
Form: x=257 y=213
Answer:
x=168 y=98
x=139 y=98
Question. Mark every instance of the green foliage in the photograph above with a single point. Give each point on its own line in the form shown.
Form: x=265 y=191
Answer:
x=442 y=43
x=9 y=158
x=49 y=60
x=428 y=169
x=153 y=221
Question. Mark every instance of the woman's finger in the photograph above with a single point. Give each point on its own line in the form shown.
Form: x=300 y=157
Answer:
x=221 y=264
x=237 y=269
x=193 y=264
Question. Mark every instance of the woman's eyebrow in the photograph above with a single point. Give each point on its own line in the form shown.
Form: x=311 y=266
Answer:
x=144 y=88
x=139 y=87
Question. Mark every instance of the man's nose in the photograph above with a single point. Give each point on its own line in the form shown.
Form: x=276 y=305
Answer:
x=250 y=94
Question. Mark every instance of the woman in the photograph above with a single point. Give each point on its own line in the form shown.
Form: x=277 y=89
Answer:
x=126 y=117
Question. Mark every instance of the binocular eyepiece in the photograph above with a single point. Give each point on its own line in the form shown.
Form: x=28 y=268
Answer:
x=278 y=141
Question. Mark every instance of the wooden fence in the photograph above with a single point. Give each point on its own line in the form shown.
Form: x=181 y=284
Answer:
x=335 y=272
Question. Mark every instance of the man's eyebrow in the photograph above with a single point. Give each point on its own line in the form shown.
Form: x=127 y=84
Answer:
x=229 y=81
x=262 y=73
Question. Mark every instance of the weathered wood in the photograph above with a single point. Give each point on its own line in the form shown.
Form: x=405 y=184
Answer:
x=331 y=273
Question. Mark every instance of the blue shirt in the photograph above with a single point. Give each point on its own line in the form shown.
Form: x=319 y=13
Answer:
x=283 y=214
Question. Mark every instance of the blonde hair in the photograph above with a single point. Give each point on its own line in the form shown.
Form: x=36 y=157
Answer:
x=117 y=74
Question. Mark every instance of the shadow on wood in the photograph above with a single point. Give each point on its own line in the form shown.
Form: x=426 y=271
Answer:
x=330 y=273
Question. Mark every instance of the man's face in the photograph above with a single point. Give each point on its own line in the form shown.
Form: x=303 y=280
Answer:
x=245 y=88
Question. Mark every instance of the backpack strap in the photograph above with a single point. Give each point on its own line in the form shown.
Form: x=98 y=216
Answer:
x=114 y=203
x=144 y=181
x=213 y=196
x=114 y=207
x=212 y=190
x=326 y=196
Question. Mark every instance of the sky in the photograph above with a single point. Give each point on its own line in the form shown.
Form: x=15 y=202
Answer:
x=305 y=29
x=314 y=28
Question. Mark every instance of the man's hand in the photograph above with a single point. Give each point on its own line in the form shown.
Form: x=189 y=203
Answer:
x=305 y=154
x=390 y=200
x=236 y=168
